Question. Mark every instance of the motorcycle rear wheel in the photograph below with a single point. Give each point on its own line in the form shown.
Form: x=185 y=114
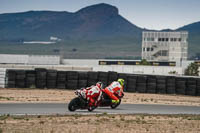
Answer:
x=113 y=106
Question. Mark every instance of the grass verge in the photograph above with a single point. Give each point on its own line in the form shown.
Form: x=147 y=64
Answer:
x=107 y=123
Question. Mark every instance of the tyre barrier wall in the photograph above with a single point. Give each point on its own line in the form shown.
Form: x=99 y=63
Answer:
x=2 y=77
x=43 y=78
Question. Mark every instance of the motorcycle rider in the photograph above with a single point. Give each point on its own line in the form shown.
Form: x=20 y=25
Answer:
x=93 y=94
x=115 y=88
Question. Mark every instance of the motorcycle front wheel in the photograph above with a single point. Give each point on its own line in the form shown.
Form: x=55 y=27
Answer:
x=74 y=104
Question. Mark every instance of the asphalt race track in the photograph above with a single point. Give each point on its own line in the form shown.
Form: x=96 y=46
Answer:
x=59 y=108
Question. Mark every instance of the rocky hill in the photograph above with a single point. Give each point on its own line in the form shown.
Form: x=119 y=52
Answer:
x=95 y=22
x=98 y=25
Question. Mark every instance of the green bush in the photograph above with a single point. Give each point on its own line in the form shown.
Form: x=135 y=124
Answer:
x=144 y=62
x=192 y=70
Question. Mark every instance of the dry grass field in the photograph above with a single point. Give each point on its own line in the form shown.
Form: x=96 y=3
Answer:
x=103 y=123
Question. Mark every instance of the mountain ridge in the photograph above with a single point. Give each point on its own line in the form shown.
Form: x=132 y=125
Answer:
x=101 y=23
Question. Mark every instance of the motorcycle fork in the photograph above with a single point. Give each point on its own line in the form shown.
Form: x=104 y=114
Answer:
x=83 y=103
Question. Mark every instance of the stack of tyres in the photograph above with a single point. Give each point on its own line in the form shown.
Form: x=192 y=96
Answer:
x=171 y=85
x=103 y=77
x=51 y=78
x=61 y=79
x=20 y=78
x=2 y=77
x=141 y=84
x=82 y=79
x=131 y=83
x=30 y=79
x=151 y=84
x=191 y=85
x=41 y=77
x=198 y=87
x=180 y=85
x=92 y=78
x=112 y=76
x=161 y=84
x=123 y=76
x=72 y=80
x=11 y=79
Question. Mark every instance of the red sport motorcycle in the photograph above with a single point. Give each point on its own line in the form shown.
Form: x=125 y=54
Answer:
x=80 y=102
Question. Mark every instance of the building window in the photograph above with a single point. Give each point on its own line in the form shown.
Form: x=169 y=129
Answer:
x=175 y=39
x=164 y=53
x=143 y=49
x=150 y=39
x=148 y=49
x=151 y=49
x=163 y=39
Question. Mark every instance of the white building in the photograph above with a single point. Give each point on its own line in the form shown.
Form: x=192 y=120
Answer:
x=165 y=46
x=30 y=59
x=52 y=38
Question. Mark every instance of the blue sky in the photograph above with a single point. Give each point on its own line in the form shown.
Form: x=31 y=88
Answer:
x=151 y=14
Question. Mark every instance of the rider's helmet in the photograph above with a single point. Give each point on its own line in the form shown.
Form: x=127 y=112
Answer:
x=121 y=81
x=99 y=85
